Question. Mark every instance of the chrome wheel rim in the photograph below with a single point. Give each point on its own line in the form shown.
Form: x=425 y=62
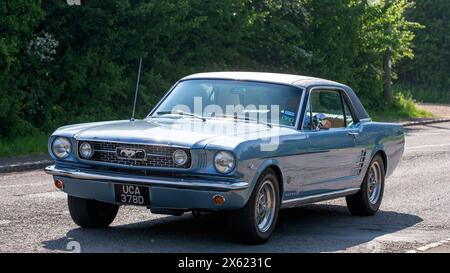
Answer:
x=265 y=206
x=374 y=183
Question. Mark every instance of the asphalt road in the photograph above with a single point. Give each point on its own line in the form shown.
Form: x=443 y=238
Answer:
x=415 y=212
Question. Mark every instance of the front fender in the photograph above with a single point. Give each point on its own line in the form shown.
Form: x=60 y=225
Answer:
x=258 y=171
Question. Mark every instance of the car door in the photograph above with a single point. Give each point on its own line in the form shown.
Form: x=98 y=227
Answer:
x=331 y=153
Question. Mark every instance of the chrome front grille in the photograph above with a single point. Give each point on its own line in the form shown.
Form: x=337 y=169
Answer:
x=155 y=155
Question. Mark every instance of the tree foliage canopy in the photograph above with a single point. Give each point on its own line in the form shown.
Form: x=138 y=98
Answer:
x=62 y=64
x=431 y=64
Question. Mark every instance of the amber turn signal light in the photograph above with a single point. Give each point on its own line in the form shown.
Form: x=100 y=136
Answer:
x=59 y=184
x=218 y=200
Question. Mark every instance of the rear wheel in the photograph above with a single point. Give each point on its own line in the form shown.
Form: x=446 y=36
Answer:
x=367 y=201
x=91 y=213
x=255 y=222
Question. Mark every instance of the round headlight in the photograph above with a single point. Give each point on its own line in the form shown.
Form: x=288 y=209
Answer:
x=85 y=150
x=179 y=157
x=61 y=147
x=224 y=162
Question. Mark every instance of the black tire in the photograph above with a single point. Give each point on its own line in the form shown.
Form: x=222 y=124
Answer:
x=91 y=213
x=359 y=204
x=242 y=222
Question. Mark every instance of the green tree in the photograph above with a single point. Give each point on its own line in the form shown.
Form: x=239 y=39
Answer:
x=18 y=19
x=431 y=67
x=79 y=63
x=389 y=32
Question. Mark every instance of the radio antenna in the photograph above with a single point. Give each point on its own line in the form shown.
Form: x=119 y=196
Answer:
x=137 y=89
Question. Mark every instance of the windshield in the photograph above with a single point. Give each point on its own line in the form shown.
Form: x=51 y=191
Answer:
x=251 y=101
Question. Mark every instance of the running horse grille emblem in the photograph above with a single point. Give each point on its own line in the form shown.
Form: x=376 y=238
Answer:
x=131 y=154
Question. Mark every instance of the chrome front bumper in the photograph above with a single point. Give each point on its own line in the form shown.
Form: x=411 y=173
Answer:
x=165 y=192
x=149 y=181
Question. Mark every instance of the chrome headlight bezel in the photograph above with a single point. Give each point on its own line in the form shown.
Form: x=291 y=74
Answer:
x=85 y=146
x=224 y=162
x=61 y=147
x=180 y=154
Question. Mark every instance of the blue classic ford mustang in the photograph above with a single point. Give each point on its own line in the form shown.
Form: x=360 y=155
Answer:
x=246 y=143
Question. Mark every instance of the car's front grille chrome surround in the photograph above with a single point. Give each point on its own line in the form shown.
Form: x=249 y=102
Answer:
x=140 y=155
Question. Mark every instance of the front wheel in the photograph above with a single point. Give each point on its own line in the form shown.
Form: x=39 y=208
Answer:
x=367 y=201
x=254 y=223
x=91 y=213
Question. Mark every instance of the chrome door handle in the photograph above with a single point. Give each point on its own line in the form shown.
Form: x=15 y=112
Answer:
x=353 y=134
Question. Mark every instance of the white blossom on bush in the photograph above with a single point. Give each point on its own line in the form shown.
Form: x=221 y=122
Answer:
x=43 y=47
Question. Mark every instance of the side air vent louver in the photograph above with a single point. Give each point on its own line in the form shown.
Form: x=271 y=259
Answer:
x=361 y=159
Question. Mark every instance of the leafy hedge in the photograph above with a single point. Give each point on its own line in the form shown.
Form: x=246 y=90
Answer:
x=428 y=74
x=63 y=64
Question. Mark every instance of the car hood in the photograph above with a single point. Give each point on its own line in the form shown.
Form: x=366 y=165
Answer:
x=184 y=132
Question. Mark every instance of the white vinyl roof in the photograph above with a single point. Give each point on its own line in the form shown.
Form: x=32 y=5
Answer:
x=256 y=76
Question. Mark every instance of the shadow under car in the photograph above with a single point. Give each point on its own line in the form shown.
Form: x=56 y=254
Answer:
x=312 y=228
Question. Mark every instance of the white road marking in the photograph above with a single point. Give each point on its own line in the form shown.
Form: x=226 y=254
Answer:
x=24 y=185
x=22 y=174
x=4 y=222
x=427 y=146
x=429 y=246
x=53 y=194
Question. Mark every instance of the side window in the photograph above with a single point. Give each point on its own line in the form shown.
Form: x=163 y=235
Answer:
x=327 y=109
x=349 y=120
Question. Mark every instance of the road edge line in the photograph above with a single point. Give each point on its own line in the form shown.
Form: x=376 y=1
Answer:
x=26 y=166
x=417 y=123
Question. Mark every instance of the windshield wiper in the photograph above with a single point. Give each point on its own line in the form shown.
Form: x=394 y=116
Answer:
x=248 y=119
x=181 y=113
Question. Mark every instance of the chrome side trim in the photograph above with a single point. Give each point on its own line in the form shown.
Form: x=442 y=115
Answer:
x=365 y=120
x=151 y=181
x=300 y=107
x=317 y=198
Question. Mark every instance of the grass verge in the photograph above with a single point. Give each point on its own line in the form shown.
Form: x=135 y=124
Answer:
x=402 y=108
x=27 y=145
